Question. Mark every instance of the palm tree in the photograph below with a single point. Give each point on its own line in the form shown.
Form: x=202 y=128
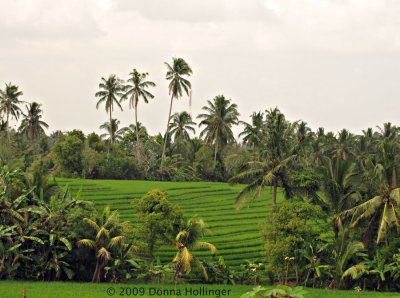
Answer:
x=344 y=146
x=113 y=134
x=275 y=159
x=338 y=184
x=31 y=126
x=132 y=131
x=343 y=250
x=339 y=178
x=186 y=241
x=388 y=131
x=252 y=133
x=380 y=210
x=218 y=120
x=111 y=89
x=263 y=174
x=9 y=101
x=180 y=128
x=379 y=174
x=178 y=84
x=135 y=91
x=107 y=235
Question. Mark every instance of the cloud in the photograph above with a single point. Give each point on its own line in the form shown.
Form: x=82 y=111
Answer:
x=199 y=11
x=47 y=19
x=347 y=26
x=299 y=55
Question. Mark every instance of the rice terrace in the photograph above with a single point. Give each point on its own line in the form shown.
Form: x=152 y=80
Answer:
x=236 y=233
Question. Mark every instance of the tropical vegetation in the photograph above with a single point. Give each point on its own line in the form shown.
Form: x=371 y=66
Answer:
x=331 y=221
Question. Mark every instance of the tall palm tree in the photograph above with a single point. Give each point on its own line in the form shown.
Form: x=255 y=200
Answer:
x=180 y=129
x=186 y=241
x=31 y=126
x=111 y=90
x=107 y=235
x=178 y=84
x=273 y=164
x=218 y=120
x=9 y=101
x=252 y=132
x=262 y=174
x=339 y=180
x=134 y=91
x=388 y=131
x=343 y=148
x=113 y=134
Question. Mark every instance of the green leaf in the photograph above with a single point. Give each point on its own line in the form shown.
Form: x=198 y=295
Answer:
x=66 y=243
x=36 y=239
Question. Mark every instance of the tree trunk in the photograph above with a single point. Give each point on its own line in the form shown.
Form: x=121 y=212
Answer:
x=96 y=277
x=111 y=133
x=166 y=133
x=275 y=186
x=215 y=154
x=394 y=178
x=137 y=133
x=7 y=132
x=98 y=272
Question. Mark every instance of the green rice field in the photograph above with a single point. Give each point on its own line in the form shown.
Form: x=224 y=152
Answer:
x=235 y=233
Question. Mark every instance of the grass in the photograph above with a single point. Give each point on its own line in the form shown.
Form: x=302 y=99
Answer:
x=11 y=289
x=235 y=232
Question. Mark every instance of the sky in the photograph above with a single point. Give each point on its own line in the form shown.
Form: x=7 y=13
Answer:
x=332 y=63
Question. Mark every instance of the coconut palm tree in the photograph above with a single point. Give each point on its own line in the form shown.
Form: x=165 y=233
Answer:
x=113 y=134
x=273 y=165
x=131 y=135
x=9 y=101
x=252 y=132
x=176 y=74
x=219 y=117
x=31 y=126
x=180 y=129
x=186 y=241
x=379 y=211
x=343 y=148
x=111 y=90
x=107 y=235
x=339 y=180
x=135 y=89
x=262 y=174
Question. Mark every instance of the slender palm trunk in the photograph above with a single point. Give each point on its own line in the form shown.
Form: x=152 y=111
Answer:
x=96 y=277
x=137 y=134
x=8 y=135
x=166 y=133
x=215 y=153
x=99 y=271
x=111 y=133
x=275 y=186
x=394 y=178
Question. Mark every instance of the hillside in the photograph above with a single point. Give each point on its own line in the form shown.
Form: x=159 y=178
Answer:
x=234 y=232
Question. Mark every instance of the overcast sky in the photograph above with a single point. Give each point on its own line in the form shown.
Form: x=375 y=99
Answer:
x=331 y=63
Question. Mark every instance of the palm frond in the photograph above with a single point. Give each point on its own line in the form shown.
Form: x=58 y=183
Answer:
x=86 y=242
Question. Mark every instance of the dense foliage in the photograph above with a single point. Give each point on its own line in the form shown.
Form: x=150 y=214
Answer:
x=349 y=180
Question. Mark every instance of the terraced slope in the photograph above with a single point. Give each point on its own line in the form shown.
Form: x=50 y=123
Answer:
x=234 y=232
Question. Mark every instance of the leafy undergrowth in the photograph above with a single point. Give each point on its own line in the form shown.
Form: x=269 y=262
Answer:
x=11 y=289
